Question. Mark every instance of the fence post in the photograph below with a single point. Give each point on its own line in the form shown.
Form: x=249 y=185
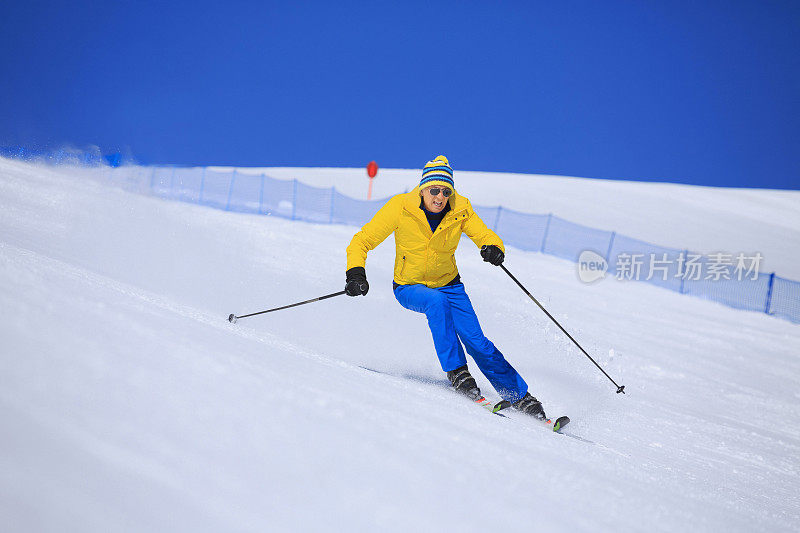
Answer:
x=172 y=183
x=546 y=230
x=610 y=245
x=769 y=293
x=230 y=190
x=683 y=274
x=202 y=186
x=333 y=196
x=497 y=218
x=294 y=199
x=261 y=196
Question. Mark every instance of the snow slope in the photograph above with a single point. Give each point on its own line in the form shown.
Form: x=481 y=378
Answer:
x=129 y=403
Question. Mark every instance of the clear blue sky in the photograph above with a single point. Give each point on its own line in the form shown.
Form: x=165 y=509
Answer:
x=689 y=92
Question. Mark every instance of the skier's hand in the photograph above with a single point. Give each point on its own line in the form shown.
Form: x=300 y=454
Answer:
x=356 y=283
x=492 y=254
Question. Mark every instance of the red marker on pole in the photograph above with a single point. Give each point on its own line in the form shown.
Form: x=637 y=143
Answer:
x=372 y=171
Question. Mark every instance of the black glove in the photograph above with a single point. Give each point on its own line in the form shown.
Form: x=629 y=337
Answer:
x=492 y=254
x=356 y=282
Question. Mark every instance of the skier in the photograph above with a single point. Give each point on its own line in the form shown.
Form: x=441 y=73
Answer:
x=428 y=223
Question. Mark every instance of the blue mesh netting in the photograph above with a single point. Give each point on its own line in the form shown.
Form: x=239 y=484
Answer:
x=741 y=294
x=488 y=215
x=186 y=184
x=245 y=193
x=277 y=197
x=655 y=264
x=313 y=204
x=665 y=267
x=567 y=240
x=348 y=210
x=216 y=188
x=785 y=299
x=161 y=181
x=523 y=230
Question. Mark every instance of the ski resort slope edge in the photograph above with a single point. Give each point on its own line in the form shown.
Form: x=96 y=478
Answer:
x=702 y=219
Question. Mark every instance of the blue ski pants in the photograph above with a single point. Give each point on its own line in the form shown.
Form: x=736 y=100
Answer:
x=453 y=321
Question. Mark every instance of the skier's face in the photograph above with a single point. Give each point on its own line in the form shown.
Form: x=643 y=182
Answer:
x=434 y=204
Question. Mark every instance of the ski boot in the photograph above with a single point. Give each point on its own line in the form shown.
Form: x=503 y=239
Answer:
x=531 y=406
x=464 y=383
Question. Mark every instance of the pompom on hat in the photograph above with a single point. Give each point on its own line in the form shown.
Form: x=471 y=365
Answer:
x=437 y=172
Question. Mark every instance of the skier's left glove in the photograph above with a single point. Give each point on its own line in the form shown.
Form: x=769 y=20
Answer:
x=356 y=282
x=492 y=254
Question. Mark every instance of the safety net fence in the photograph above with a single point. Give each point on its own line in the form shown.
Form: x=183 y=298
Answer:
x=731 y=279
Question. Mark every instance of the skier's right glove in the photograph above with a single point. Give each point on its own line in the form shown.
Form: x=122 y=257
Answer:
x=492 y=254
x=356 y=283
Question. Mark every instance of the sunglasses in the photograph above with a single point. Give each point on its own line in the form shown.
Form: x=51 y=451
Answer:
x=434 y=191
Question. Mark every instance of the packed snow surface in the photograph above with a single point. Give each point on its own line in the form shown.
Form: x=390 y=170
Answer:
x=129 y=403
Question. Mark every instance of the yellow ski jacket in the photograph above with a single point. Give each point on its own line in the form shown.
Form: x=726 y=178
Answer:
x=421 y=255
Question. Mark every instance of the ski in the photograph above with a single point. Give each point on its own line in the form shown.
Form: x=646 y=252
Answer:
x=560 y=422
x=555 y=425
x=492 y=408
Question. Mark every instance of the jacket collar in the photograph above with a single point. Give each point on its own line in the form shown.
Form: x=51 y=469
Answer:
x=412 y=199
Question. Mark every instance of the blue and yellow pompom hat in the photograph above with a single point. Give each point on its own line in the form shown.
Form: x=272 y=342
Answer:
x=437 y=172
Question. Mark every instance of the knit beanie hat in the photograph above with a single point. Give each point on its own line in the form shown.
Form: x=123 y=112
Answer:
x=437 y=172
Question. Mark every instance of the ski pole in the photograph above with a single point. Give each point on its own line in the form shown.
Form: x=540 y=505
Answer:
x=233 y=318
x=620 y=388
